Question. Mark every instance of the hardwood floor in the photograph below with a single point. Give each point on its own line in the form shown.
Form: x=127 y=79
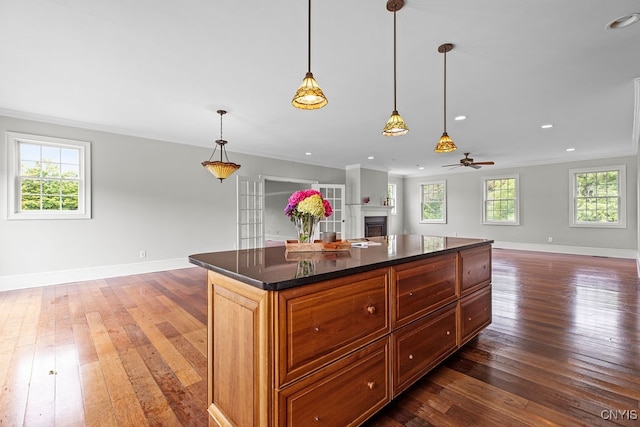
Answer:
x=563 y=349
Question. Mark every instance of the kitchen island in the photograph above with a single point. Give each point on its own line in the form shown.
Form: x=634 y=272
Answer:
x=329 y=338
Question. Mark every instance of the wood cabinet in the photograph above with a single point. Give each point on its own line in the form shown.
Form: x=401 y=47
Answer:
x=420 y=346
x=345 y=393
x=475 y=313
x=334 y=352
x=420 y=287
x=475 y=268
x=319 y=323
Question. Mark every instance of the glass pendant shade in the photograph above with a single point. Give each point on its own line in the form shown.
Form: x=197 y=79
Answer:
x=395 y=125
x=445 y=144
x=221 y=170
x=309 y=96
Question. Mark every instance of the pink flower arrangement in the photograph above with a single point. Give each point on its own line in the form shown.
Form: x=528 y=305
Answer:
x=307 y=203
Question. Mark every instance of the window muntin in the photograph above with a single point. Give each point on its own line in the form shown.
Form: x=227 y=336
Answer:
x=501 y=200
x=433 y=202
x=598 y=197
x=48 y=177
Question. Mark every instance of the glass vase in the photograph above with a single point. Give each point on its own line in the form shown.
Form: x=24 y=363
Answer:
x=305 y=268
x=305 y=227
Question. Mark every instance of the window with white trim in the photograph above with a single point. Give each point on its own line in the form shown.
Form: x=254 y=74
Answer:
x=391 y=198
x=598 y=197
x=48 y=178
x=433 y=202
x=500 y=199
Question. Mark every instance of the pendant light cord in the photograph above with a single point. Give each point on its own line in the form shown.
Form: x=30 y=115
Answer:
x=309 y=40
x=445 y=91
x=394 y=58
x=221 y=126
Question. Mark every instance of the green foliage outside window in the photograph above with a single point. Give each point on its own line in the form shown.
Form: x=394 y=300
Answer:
x=501 y=200
x=433 y=202
x=597 y=197
x=52 y=184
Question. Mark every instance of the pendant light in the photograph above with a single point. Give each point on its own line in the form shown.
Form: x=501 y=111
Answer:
x=395 y=125
x=218 y=168
x=445 y=144
x=309 y=96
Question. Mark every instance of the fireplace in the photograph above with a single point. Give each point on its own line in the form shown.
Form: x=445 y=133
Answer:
x=375 y=226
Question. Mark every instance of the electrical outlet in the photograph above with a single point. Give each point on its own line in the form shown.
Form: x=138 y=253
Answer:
x=143 y=254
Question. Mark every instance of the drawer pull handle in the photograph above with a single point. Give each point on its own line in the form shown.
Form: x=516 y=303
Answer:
x=371 y=385
x=469 y=318
x=316 y=329
x=411 y=357
x=371 y=309
x=316 y=418
x=410 y=294
x=448 y=332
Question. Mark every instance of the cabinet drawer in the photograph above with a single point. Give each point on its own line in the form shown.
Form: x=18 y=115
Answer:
x=419 y=346
x=475 y=268
x=321 y=322
x=343 y=394
x=423 y=286
x=475 y=313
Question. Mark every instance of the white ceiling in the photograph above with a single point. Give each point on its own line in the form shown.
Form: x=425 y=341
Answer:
x=161 y=69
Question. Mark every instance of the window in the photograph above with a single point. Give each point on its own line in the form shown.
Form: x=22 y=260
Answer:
x=501 y=200
x=433 y=202
x=391 y=198
x=48 y=178
x=598 y=197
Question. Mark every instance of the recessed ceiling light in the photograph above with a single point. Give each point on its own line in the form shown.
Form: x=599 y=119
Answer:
x=459 y=118
x=571 y=149
x=307 y=153
x=420 y=167
x=370 y=157
x=624 y=21
x=547 y=126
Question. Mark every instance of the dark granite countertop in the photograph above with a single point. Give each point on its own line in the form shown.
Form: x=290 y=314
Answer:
x=272 y=268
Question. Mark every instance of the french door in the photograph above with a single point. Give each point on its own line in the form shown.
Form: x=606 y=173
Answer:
x=334 y=193
x=250 y=212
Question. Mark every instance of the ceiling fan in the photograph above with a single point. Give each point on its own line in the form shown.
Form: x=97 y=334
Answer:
x=468 y=161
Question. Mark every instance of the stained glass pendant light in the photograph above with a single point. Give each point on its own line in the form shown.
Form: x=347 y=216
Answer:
x=395 y=125
x=309 y=96
x=445 y=144
x=218 y=168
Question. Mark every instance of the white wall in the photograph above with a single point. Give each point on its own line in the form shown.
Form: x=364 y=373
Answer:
x=147 y=195
x=373 y=184
x=544 y=210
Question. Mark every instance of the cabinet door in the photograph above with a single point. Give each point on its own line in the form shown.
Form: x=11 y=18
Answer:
x=321 y=322
x=475 y=313
x=475 y=268
x=421 y=345
x=422 y=286
x=343 y=394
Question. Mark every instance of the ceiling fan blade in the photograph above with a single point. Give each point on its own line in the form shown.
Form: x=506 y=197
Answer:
x=475 y=165
x=483 y=163
x=447 y=166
